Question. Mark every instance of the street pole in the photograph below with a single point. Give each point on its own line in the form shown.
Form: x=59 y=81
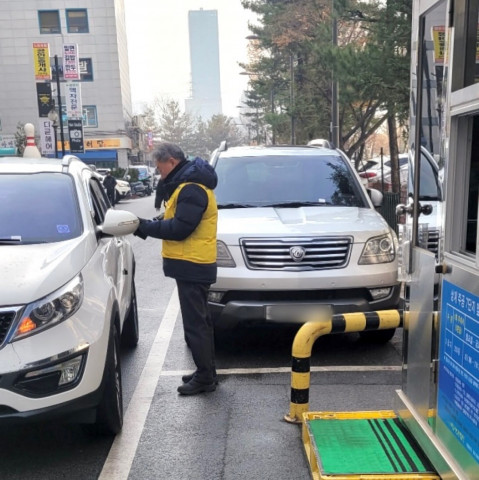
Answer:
x=59 y=106
x=334 y=87
x=291 y=99
x=273 y=132
x=55 y=126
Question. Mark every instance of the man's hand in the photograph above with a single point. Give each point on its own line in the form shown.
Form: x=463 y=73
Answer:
x=138 y=232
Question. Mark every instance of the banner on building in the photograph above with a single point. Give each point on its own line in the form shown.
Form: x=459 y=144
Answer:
x=73 y=101
x=75 y=132
x=47 y=137
x=439 y=40
x=71 y=66
x=7 y=141
x=106 y=143
x=7 y=145
x=41 y=61
x=44 y=98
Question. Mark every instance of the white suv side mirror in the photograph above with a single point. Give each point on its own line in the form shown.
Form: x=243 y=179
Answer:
x=119 y=223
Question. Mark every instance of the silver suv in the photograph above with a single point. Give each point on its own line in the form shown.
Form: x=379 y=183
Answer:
x=297 y=228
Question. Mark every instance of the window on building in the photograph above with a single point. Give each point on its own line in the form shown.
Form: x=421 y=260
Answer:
x=90 y=118
x=77 y=21
x=49 y=21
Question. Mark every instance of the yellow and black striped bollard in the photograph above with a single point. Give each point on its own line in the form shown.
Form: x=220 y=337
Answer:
x=311 y=331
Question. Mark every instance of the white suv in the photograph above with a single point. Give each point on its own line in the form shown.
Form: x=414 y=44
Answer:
x=67 y=294
x=297 y=228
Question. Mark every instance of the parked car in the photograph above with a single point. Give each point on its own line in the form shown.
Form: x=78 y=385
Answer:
x=430 y=225
x=145 y=175
x=67 y=294
x=373 y=172
x=320 y=142
x=430 y=192
x=122 y=188
x=297 y=229
x=139 y=189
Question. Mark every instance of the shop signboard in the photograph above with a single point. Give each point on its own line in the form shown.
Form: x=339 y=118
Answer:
x=458 y=385
x=75 y=132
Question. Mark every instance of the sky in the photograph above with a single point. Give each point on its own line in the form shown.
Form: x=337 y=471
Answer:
x=159 y=56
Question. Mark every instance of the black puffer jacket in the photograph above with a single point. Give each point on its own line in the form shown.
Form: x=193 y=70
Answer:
x=192 y=203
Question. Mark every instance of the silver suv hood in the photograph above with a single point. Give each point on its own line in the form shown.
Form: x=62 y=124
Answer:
x=361 y=223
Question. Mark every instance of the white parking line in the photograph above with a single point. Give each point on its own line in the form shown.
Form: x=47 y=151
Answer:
x=118 y=463
x=252 y=371
x=122 y=453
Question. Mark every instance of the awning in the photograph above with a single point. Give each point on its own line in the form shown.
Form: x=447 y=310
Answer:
x=97 y=155
x=7 y=151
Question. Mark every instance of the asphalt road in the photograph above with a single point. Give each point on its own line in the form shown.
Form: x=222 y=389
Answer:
x=236 y=432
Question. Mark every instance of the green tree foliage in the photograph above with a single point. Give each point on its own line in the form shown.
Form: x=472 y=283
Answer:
x=20 y=138
x=296 y=57
x=197 y=137
x=174 y=125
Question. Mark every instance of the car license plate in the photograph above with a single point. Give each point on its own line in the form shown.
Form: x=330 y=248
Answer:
x=297 y=312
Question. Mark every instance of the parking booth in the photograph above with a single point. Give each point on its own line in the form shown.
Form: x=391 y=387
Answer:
x=433 y=430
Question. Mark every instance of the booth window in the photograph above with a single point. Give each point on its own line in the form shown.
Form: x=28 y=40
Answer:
x=465 y=71
x=77 y=21
x=49 y=21
x=473 y=191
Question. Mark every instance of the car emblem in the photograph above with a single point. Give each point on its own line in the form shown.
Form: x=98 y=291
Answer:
x=297 y=253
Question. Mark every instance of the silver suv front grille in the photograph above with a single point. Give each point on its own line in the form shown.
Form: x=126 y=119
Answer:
x=317 y=253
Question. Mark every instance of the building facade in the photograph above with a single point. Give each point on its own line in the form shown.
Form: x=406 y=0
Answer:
x=97 y=28
x=205 y=98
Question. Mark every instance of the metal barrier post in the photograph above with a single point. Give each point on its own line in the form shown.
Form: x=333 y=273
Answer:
x=310 y=332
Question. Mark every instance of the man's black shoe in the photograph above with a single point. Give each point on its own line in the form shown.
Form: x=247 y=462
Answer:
x=189 y=377
x=193 y=387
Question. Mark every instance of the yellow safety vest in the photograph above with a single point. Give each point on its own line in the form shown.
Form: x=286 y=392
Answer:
x=200 y=246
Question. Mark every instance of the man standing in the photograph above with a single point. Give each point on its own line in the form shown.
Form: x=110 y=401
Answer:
x=109 y=182
x=188 y=231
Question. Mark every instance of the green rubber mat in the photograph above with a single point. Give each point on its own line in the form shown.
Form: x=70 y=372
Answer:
x=366 y=446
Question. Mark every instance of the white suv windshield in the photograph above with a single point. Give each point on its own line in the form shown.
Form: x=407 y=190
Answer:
x=38 y=208
x=283 y=180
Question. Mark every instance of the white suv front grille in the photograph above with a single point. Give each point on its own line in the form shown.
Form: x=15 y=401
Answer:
x=317 y=253
x=7 y=316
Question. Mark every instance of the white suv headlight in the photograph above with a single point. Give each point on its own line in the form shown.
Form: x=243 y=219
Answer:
x=378 y=250
x=223 y=255
x=50 y=310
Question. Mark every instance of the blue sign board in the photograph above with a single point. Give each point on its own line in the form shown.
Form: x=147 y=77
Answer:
x=458 y=386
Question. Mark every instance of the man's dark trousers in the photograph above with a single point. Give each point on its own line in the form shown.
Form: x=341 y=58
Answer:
x=198 y=326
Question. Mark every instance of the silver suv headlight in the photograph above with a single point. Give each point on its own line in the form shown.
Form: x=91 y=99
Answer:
x=223 y=255
x=378 y=250
x=50 y=310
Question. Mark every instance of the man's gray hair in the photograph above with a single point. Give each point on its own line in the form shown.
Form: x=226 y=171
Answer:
x=167 y=150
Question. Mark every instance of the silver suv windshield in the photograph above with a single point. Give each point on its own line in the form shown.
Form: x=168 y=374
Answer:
x=38 y=208
x=286 y=181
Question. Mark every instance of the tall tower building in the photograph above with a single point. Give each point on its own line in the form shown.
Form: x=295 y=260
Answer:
x=97 y=28
x=205 y=98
